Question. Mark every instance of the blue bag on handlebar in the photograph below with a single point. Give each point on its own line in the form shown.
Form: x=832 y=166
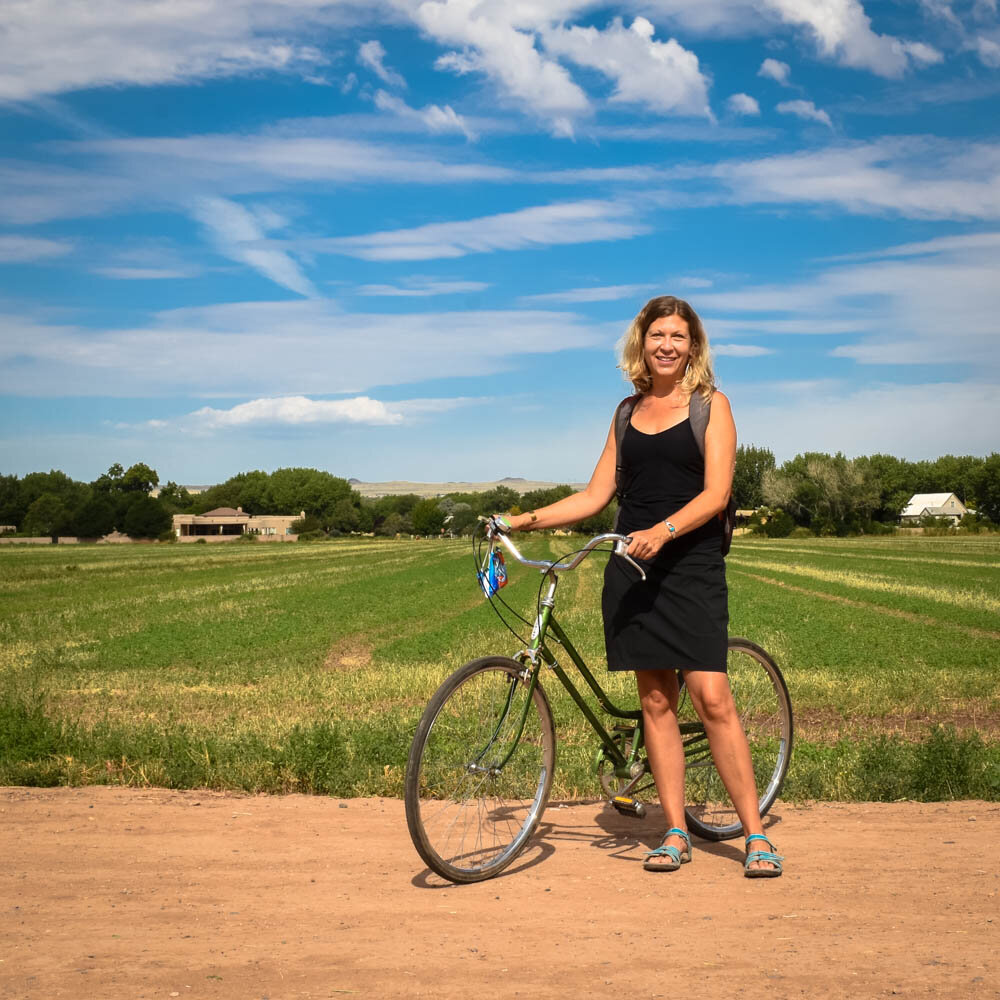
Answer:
x=493 y=575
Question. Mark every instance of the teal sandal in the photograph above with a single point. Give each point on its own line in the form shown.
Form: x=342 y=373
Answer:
x=676 y=857
x=770 y=856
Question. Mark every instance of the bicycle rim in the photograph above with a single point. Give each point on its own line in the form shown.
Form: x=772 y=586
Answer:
x=475 y=789
x=765 y=710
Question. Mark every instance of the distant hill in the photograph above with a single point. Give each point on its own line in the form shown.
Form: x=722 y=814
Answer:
x=437 y=489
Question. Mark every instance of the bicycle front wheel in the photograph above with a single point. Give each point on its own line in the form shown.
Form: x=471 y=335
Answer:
x=765 y=710
x=480 y=770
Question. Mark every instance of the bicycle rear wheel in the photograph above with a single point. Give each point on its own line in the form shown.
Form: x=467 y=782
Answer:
x=477 y=781
x=765 y=710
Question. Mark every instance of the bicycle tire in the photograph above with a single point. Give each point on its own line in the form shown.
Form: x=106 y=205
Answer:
x=765 y=710
x=469 y=809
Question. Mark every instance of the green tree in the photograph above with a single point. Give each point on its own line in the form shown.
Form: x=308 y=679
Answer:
x=47 y=515
x=139 y=478
x=12 y=507
x=110 y=481
x=145 y=517
x=751 y=464
x=175 y=499
x=987 y=488
x=894 y=479
x=534 y=499
x=829 y=493
x=498 y=500
x=345 y=516
x=96 y=517
x=428 y=518
x=395 y=524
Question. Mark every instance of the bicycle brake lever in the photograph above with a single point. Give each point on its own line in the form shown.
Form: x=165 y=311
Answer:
x=621 y=549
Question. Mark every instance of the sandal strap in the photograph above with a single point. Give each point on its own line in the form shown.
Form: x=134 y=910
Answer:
x=665 y=851
x=677 y=832
x=757 y=836
x=770 y=856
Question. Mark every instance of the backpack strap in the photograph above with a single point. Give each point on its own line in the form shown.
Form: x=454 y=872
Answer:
x=698 y=414
x=622 y=416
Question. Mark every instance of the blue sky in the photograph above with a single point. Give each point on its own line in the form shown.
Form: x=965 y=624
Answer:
x=400 y=240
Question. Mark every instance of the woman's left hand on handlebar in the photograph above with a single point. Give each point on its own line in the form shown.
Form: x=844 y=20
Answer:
x=646 y=544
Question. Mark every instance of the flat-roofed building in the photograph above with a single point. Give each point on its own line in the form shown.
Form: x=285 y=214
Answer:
x=224 y=524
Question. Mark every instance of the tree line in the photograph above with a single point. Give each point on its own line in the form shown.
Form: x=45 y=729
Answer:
x=828 y=494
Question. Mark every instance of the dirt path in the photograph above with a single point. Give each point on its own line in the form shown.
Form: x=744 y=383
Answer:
x=110 y=892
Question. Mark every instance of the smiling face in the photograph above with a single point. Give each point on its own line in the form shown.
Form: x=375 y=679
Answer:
x=666 y=348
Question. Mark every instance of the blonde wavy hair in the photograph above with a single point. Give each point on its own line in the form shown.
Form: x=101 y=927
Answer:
x=698 y=376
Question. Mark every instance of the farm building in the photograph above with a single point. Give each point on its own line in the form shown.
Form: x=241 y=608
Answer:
x=944 y=505
x=226 y=524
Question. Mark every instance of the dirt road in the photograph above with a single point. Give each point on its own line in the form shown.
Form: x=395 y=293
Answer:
x=110 y=892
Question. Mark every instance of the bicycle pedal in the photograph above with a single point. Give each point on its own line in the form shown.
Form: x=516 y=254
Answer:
x=628 y=806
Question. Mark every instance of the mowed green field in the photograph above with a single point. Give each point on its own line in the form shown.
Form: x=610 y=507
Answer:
x=305 y=667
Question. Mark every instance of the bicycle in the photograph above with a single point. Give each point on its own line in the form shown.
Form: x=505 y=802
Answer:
x=482 y=760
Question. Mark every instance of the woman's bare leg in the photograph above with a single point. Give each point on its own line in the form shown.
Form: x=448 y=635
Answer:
x=713 y=701
x=658 y=694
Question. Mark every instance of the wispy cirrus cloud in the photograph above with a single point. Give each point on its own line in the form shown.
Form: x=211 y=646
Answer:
x=432 y=117
x=16 y=248
x=237 y=233
x=423 y=288
x=556 y=224
x=323 y=349
x=879 y=307
x=596 y=293
x=53 y=46
x=372 y=54
x=740 y=350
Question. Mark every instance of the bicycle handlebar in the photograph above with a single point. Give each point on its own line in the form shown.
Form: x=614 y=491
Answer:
x=494 y=530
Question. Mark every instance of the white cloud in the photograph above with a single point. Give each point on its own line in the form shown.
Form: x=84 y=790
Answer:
x=494 y=46
x=806 y=110
x=841 y=30
x=423 y=288
x=544 y=225
x=988 y=51
x=295 y=410
x=775 y=69
x=142 y=273
x=18 y=249
x=322 y=350
x=740 y=350
x=51 y=46
x=924 y=54
x=238 y=233
x=916 y=178
x=743 y=104
x=433 y=117
x=372 y=55
x=662 y=76
x=599 y=293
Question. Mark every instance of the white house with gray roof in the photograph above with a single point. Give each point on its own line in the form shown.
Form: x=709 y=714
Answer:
x=943 y=505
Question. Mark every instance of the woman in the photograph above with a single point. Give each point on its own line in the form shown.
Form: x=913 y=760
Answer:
x=677 y=620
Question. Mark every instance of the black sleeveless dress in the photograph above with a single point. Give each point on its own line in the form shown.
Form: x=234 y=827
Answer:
x=678 y=618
